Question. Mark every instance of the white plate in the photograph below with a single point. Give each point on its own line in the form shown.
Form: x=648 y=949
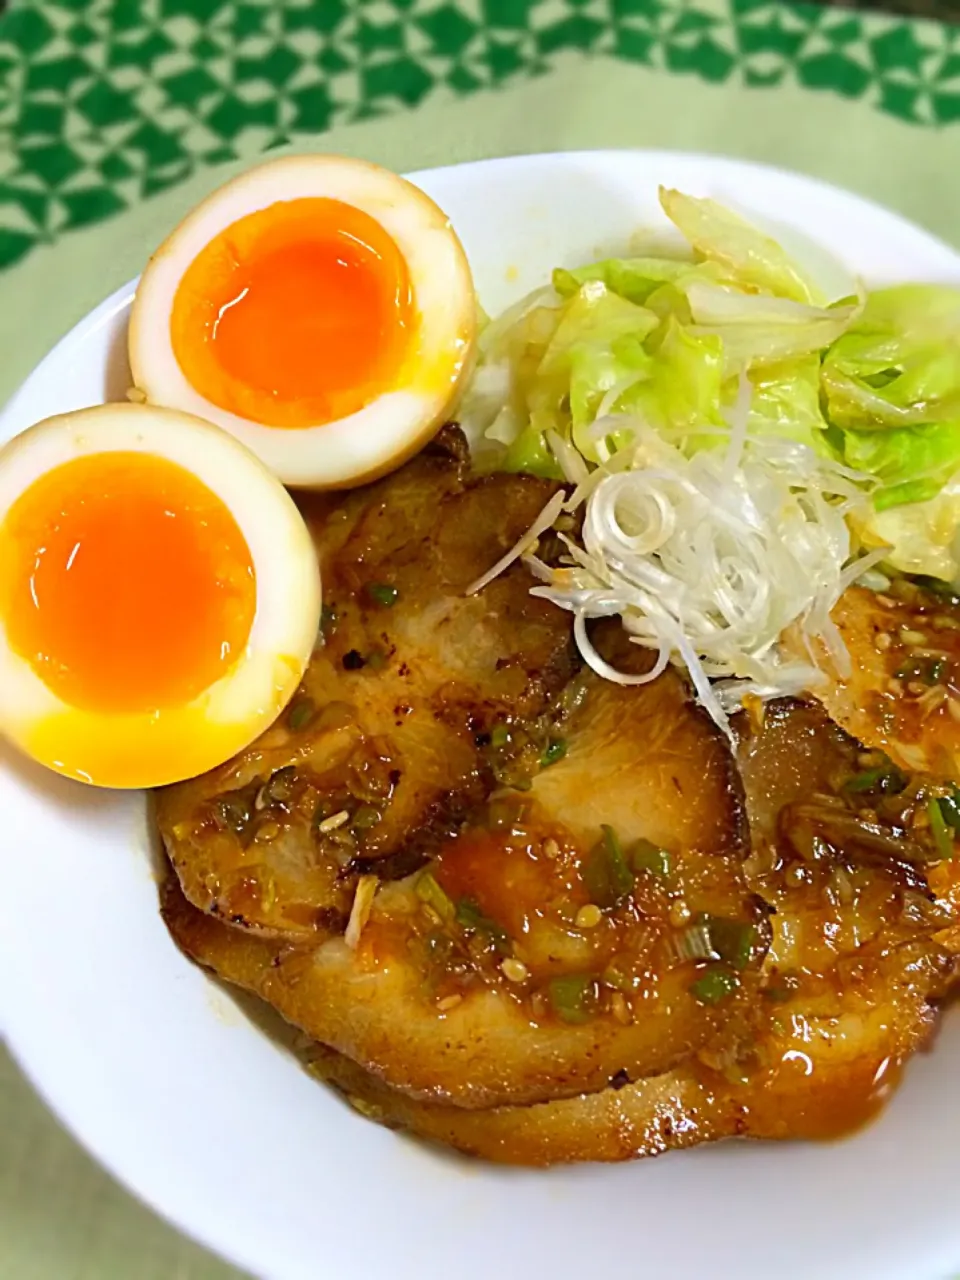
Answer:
x=176 y=1092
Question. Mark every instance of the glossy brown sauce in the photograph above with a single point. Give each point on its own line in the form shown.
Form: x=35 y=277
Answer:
x=794 y=1099
x=512 y=878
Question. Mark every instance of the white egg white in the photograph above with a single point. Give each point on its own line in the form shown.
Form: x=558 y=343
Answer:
x=382 y=435
x=153 y=748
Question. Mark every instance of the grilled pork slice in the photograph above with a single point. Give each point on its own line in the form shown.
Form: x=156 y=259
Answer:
x=903 y=692
x=400 y=727
x=825 y=1080
x=862 y=946
x=866 y=908
x=595 y=926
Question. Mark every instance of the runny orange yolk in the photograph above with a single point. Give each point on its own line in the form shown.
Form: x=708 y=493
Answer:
x=125 y=583
x=296 y=315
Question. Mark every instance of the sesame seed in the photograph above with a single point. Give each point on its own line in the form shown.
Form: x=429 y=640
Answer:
x=514 y=970
x=909 y=636
x=550 y=848
x=620 y=1009
x=887 y=601
x=895 y=687
x=883 y=641
x=916 y=688
x=448 y=1002
x=944 y=622
x=679 y=913
x=334 y=821
x=589 y=917
x=795 y=875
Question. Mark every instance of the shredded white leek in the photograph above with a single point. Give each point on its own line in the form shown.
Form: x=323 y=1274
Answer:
x=543 y=522
x=364 y=895
x=710 y=559
x=568 y=459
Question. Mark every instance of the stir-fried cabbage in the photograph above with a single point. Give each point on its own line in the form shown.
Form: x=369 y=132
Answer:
x=737 y=438
x=919 y=537
x=659 y=340
x=891 y=385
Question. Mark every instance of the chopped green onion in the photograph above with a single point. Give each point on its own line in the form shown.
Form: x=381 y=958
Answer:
x=556 y=750
x=605 y=871
x=950 y=809
x=302 y=711
x=715 y=985
x=865 y=781
x=429 y=891
x=617 y=978
x=279 y=786
x=574 y=694
x=499 y=735
x=930 y=670
x=383 y=593
x=233 y=811
x=694 y=943
x=887 y=779
x=937 y=587
x=573 y=997
x=732 y=940
x=365 y=818
x=469 y=916
x=942 y=834
x=646 y=856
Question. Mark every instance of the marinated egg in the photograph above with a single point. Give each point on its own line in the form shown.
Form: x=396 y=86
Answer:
x=159 y=595
x=319 y=308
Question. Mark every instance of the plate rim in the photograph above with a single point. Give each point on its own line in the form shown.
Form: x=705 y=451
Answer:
x=84 y=1130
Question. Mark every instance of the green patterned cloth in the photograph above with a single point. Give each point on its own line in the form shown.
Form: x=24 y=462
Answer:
x=109 y=101
x=117 y=115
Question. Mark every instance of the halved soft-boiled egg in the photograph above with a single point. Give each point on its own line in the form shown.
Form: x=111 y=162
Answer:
x=159 y=595
x=319 y=308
